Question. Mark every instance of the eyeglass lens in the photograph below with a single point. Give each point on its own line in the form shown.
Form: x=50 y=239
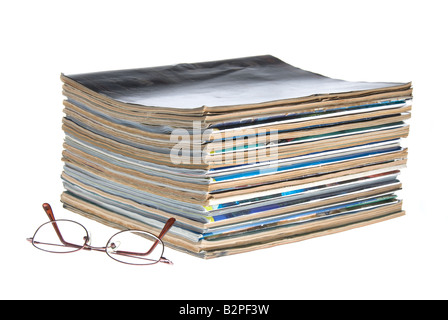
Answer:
x=71 y=236
x=135 y=247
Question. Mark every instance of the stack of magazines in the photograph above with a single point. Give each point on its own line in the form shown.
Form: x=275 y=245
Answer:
x=245 y=153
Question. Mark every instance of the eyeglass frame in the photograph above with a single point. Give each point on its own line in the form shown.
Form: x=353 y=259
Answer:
x=49 y=211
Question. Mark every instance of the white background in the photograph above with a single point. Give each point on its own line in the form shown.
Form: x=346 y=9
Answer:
x=405 y=258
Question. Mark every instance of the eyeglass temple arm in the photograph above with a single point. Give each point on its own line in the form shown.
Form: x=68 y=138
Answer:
x=50 y=214
x=165 y=229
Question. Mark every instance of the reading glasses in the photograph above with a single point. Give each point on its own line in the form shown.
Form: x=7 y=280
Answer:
x=135 y=247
